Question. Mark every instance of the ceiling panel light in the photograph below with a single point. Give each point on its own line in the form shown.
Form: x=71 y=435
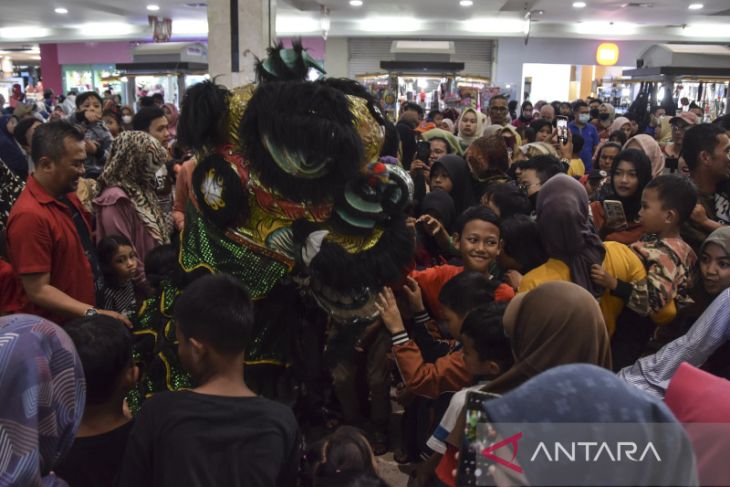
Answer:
x=494 y=26
x=189 y=27
x=61 y=10
x=296 y=24
x=390 y=24
x=356 y=3
x=606 y=29
x=579 y=4
x=23 y=32
x=153 y=8
x=104 y=29
x=695 y=6
x=466 y=3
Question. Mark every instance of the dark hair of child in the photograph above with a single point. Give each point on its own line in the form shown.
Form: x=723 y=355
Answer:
x=466 y=291
x=475 y=213
x=107 y=249
x=345 y=450
x=544 y=166
x=521 y=241
x=216 y=309
x=160 y=264
x=484 y=326
x=676 y=193
x=104 y=346
x=578 y=143
x=509 y=199
x=618 y=136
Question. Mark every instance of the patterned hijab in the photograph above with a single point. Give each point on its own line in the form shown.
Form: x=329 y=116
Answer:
x=43 y=392
x=133 y=161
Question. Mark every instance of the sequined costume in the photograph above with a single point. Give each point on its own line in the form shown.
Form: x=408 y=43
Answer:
x=293 y=201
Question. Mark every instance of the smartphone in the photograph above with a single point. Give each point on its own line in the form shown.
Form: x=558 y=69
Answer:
x=473 y=466
x=615 y=216
x=562 y=124
x=423 y=151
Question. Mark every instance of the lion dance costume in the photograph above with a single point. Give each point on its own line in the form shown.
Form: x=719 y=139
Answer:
x=290 y=197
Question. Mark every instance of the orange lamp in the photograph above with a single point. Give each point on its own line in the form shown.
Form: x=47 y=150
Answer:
x=607 y=54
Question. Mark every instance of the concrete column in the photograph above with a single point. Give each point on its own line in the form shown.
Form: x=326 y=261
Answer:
x=337 y=57
x=51 y=68
x=239 y=31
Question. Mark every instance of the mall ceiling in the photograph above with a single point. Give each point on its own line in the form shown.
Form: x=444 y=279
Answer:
x=24 y=22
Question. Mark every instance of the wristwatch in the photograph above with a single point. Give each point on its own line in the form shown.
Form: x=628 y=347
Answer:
x=91 y=312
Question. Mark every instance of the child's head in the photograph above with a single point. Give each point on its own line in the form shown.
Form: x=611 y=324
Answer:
x=344 y=451
x=463 y=293
x=117 y=258
x=161 y=263
x=578 y=143
x=478 y=238
x=113 y=121
x=440 y=178
x=214 y=318
x=506 y=200
x=715 y=261
x=105 y=348
x=89 y=101
x=487 y=351
x=667 y=202
x=522 y=249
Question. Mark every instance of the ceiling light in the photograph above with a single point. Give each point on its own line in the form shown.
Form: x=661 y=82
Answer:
x=494 y=26
x=296 y=24
x=356 y=3
x=390 y=24
x=695 y=6
x=104 y=29
x=189 y=27
x=153 y=8
x=579 y=4
x=23 y=32
x=61 y=10
x=466 y=3
x=606 y=29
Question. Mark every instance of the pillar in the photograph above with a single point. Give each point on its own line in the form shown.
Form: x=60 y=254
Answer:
x=51 y=68
x=238 y=32
x=336 y=59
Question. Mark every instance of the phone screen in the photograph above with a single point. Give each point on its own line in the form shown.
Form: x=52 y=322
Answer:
x=615 y=215
x=423 y=151
x=562 y=125
x=473 y=466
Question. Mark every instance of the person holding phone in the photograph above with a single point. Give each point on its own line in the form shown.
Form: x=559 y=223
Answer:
x=630 y=173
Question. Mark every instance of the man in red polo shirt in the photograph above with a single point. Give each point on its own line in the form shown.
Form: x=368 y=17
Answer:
x=49 y=233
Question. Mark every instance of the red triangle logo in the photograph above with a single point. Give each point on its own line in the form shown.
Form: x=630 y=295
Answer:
x=512 y=440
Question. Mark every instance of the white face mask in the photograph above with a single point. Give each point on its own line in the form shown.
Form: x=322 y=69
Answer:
x=127 y=119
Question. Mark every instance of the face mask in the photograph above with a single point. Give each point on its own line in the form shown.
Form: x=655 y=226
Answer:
x=584 y=117
x=595 y=112
x=126 y=119
x=604 y=116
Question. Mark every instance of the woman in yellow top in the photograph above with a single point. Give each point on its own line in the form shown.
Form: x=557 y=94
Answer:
x=574 y=249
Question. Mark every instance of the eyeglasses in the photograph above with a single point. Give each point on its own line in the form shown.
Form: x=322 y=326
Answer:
x=498 y=109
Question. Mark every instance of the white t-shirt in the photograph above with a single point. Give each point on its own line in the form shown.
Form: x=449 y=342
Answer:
x=437 y=441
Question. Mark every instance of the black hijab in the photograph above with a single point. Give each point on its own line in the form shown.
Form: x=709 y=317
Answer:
x=458 y=170
x=442 y=204
x=642 y=165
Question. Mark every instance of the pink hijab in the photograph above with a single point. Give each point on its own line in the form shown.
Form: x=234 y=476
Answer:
x=174 y=115
x=650 y=147
x=617 y=124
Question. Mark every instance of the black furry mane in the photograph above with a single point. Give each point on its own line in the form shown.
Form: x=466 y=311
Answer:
x=203 y=116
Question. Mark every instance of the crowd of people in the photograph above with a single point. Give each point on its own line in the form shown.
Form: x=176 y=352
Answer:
x=606 y=246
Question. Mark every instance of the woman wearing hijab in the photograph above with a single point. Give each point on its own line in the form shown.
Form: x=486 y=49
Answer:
x=454 y=169
x=653 y=373
x=630 y=173
x=450 y=140
x=554 y=406
x=172 y=116
x=525 y=117
x=43 y=394
x=606 y=115
x=471 y=125
x=10 y=152
x=622 y=124
x=650 y=147
x=128 y=203
x=576 y=253
x=698 y=400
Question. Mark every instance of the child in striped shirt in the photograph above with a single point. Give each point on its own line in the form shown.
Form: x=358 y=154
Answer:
x=118 y=261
